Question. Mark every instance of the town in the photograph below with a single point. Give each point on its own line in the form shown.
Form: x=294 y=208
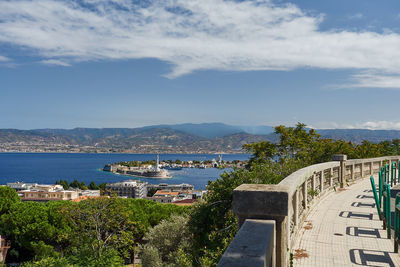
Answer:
x=179 y=194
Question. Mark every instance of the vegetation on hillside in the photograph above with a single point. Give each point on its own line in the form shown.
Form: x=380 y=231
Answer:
x=94 y=232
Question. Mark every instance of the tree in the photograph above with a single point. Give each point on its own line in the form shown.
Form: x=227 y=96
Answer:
x=93 y=186
x=28 y=227
x=8 y=197
x=263 y=151
x=104 y=224
x=169 y=238
x=75 y=184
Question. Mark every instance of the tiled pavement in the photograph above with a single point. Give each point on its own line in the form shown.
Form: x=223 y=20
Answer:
x=344 y=230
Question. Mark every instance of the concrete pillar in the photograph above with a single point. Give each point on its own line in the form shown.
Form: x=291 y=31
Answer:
x=305 y=195
x=296 y=207
x=342 y=169
x=322 y=181
x=362 y=169
x=372 y=168
x=267 y=202
x=313 y=183
x=353 y=172
x=331 y=177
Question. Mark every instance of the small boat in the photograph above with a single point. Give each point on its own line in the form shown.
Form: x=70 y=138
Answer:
x=173 y=168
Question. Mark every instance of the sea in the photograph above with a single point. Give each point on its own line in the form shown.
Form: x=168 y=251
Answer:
x=47 y=168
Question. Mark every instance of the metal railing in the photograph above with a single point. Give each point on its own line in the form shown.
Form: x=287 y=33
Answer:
x=397 y=223
x=384 y=198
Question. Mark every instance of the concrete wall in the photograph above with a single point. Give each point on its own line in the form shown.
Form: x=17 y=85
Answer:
x=254 y=245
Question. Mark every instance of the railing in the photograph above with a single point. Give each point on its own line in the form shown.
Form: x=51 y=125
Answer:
x=289 y=202
x=387 y=218
x=397 y=223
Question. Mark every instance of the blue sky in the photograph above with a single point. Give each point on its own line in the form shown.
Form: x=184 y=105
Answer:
x=130 y=63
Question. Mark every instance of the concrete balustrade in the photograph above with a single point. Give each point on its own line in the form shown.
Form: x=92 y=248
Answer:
x=256 y=243
x=287 y=204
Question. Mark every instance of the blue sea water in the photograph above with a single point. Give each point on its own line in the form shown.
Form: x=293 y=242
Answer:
x=46 y=168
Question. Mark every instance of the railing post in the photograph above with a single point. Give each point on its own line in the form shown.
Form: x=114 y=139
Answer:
x=342 y=170
x=377 y=204
x=322 y=181
x=362 y=170
x=296 y=207
x=313 y=185
x=387 y=210
x=353 y=170
x=331 y=177
x=381 y=174
x=398 y=171
x=371 y=168
x=305 y=195
x=396 y=223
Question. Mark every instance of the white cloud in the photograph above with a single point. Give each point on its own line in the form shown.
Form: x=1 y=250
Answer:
x=55 y=62
x=194 y=35
x=370 y=125
x=3 y=59
x=371 y=79
x=356 y=16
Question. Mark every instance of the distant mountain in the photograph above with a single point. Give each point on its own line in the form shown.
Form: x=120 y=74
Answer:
x=358 y=135
x=216 y=129
x=136 y=140
x=179 y=138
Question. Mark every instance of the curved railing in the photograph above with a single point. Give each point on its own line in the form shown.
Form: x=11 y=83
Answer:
x=284 y=207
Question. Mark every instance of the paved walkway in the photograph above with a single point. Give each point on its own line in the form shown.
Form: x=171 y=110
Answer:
x=344 y=230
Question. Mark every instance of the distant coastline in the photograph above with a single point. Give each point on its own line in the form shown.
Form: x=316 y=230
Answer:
x=45 y=168
x=127 y=153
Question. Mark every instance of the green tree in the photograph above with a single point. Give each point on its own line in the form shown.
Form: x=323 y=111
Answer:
x=169 y=237
x=93 y=186
x=104 y=224
x=75 y=184
x=30 y=230
x=8 y=197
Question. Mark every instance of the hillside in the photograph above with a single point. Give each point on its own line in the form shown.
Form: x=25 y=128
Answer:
x=137 y=140
x=181 y=138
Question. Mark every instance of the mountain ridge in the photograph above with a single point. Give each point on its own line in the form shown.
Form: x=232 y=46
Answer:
x=179 y=138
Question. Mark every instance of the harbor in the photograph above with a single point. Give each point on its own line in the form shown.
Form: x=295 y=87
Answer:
x=160 y=170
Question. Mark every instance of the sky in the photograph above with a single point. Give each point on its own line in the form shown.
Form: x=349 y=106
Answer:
x=131 y=63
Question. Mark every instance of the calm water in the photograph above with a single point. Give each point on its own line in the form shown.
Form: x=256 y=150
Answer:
x=46 y=168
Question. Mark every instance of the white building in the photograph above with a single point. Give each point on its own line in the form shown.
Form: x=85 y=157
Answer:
x=44 y=193
x=129 y=189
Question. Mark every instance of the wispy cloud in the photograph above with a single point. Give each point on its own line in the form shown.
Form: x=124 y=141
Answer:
x=371 y=79
x=55 y=62
x=193 y=35
x=356 y=16
x=4 y=59
x=370 y=125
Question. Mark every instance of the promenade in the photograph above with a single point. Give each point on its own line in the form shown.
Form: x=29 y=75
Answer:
x=344 y=230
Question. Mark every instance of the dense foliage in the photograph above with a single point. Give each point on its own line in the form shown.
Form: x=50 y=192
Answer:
x=93 y=232
x=81 y=185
